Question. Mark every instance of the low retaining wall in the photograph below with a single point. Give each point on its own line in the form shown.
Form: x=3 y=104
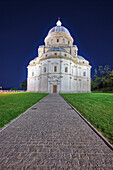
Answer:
x=102 y=91
x=11 y=91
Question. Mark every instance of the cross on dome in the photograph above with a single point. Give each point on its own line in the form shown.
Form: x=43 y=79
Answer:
x=58 y=22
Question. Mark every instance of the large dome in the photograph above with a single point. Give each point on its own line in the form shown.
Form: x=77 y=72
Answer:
x=58 y=28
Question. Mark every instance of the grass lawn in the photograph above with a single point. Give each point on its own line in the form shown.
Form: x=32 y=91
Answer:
x=13 y=104
x=97 y=108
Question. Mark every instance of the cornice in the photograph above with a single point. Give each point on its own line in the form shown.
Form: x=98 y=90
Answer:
x=70 y=59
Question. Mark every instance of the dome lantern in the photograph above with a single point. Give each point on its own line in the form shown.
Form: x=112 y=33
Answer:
x=58 y=23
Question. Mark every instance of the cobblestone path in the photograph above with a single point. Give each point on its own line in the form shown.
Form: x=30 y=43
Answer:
x=52 y=136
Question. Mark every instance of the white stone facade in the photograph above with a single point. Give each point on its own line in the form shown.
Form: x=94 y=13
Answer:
x=58 y=67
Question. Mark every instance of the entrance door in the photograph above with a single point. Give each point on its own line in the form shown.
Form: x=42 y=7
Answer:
x=54 y=88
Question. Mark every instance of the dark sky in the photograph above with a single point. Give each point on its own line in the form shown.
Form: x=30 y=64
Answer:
x=25 y=23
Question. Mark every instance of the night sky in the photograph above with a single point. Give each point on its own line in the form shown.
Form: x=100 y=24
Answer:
x=24 y=24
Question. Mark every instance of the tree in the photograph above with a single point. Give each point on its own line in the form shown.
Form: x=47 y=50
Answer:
x=23 y=85
x=111 y=78
x=14 y=88
x=103 y=78
x=92 y=84
x=97 y=79
x=104 y=75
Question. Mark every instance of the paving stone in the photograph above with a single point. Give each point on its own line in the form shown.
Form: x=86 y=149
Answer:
x=52 y=137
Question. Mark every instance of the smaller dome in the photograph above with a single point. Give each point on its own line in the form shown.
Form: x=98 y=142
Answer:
x=80 y=57
x=57 y=49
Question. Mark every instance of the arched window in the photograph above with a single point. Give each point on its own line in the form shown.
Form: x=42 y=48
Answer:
x=44 y=69
x=84 y=73
x=63 y=40
x=57 y=40
x=66 y=69
x=32 y=73
x=55 y=53
x=55 y=68
x=68 y=42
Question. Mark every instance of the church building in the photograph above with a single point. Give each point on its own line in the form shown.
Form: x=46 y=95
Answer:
x=59 y=68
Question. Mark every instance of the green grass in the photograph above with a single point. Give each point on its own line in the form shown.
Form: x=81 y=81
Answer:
x=97 y=108
x=13 y=104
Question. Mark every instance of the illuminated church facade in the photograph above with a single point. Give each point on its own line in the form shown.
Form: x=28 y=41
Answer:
x=58 y=67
